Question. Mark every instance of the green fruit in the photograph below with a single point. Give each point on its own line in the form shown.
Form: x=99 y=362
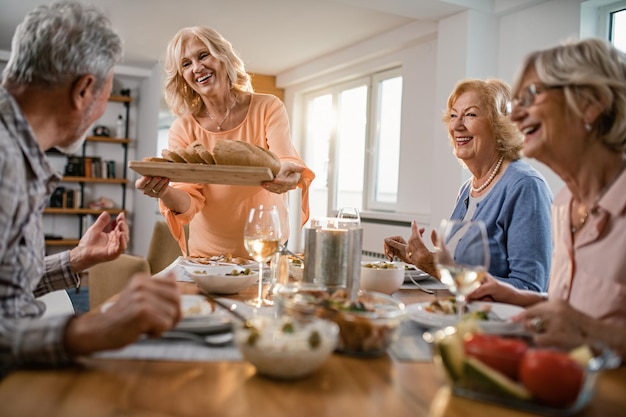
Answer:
x=494 y=381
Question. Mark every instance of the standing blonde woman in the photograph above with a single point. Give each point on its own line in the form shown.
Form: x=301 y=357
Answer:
x=506 y=193
x=209 y=90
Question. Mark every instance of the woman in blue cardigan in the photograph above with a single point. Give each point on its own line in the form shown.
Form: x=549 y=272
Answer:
x=505 y=192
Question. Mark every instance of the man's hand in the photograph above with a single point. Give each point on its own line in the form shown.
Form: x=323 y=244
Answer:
x=146 y=306
x=105 y=240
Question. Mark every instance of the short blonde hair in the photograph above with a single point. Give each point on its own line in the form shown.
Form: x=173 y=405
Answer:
x=181 y=98
x=494 y=95
x=591 y=70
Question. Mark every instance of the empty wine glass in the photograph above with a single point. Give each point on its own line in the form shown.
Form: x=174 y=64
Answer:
x=261 y=237
x=351 y=213
x=462 y=257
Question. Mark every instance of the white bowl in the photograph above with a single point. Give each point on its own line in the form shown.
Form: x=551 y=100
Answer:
x=380 y=276
x=220 y=279
x=285 y=348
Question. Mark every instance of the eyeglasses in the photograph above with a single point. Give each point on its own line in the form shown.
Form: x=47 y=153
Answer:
x=528 y=94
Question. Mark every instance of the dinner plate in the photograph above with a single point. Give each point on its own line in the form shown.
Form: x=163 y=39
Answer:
x=418 y=313
x=199 y=315
x=410 y=271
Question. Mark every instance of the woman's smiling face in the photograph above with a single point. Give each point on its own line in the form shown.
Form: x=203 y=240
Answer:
x=469 y=128
x=199 y=68
x=547 y=123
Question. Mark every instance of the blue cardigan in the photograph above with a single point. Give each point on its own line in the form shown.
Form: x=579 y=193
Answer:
x=516 y=213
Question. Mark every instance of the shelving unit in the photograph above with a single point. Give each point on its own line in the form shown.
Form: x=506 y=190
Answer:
x=84 y=181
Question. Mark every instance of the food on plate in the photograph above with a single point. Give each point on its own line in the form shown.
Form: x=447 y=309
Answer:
x=211 y=260
x=285 y=348
x=553 y=377
x=236 y=152
x=508 y=368
x=200 y=307
x=500 y=353
x=449 y=306
x=380 y=265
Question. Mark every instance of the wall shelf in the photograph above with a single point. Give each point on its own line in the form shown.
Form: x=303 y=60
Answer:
x=79 y=207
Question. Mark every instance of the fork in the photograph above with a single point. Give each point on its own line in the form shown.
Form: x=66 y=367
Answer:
x=419 y=287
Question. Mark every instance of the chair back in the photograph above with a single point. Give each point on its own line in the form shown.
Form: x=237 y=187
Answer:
x=108 y=278
x=163 y=249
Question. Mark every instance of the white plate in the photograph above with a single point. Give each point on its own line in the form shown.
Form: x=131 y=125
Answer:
x=199 y=316
x=411 y=271
x=418 y=314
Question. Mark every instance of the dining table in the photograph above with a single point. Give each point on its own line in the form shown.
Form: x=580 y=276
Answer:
x=343 y=386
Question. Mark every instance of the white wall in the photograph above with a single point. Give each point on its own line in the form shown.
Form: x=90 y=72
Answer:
x=434 y=58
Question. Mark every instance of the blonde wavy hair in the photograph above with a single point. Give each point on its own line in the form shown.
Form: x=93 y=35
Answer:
x=590 y=71
x=181 y=98
x=494 y=95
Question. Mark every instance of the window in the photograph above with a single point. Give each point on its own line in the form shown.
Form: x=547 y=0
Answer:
x=352 y=142
x=612 y=23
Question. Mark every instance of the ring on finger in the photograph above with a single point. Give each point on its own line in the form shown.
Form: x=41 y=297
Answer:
x=536 y=324
x=409 y=254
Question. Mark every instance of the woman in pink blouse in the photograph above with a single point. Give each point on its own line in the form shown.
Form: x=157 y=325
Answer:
x=570 y=104
x=209 y=90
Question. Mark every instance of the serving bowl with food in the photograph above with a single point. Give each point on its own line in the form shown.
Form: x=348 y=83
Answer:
x=368 y=325
x=382 y=276
x=511 y=371
x=223 y=279
x=285 y=348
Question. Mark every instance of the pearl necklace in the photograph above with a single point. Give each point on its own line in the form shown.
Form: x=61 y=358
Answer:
x=219 y=126
x=491 y=177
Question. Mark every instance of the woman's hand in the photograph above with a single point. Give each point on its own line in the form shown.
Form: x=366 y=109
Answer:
x=153 y=186
x=414 y=251
x=493 y=289
x=555 y=323
x=287 y=178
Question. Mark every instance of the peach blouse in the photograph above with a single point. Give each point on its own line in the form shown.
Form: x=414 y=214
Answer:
x=218 y=212
x=590 y=272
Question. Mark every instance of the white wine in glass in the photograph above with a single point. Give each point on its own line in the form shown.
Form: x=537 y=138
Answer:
x=462 y=257
x=261 y=237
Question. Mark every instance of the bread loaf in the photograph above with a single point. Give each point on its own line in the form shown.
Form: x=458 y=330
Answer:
x=172 y=156
x=203 y=152
x=155 y=159
x=235 y=152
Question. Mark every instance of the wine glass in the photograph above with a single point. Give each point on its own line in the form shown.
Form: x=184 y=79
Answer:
x=261 y=237
x=462 y=257
x=350 y=213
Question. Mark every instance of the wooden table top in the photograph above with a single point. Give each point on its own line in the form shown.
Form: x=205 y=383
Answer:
x=343 y=386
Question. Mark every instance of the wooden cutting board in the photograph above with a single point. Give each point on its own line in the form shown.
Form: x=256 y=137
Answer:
x=203 y=174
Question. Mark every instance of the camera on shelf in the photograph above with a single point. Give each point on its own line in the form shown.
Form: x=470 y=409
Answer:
x=101 y=131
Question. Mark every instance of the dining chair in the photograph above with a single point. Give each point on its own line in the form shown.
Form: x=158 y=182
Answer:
x=108 y=278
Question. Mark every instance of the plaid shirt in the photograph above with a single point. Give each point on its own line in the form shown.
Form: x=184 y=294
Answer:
x=26 y=182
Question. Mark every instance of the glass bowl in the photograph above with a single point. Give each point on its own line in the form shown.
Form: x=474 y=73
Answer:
x=469 y=375
x=367 y=327
x=285 y=348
